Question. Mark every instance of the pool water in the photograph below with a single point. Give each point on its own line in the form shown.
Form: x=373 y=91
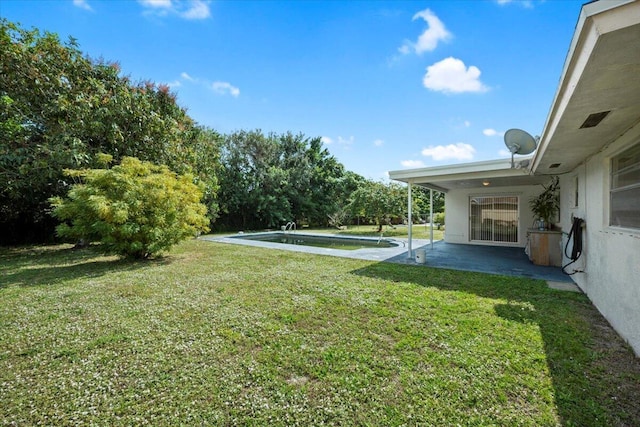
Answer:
x=319 y=241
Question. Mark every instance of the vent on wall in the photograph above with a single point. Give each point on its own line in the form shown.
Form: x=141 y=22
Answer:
x=594 y=119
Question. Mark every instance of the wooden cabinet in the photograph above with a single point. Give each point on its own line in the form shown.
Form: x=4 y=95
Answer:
x=543 y=247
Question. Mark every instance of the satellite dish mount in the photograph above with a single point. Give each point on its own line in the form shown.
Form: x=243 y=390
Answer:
x=519 y=142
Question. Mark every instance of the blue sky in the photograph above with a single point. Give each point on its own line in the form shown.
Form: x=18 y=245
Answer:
x=387 y=85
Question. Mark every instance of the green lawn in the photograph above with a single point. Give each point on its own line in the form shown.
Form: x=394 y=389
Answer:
x=419 y=231
x=216 y=334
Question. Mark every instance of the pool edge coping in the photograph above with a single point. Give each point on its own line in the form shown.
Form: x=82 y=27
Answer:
x=370 y=254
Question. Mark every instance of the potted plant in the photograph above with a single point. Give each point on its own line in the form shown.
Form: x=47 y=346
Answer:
x=545 y=205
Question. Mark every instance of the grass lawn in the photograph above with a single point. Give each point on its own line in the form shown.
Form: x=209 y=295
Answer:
x=216 y=334
x=400 y=231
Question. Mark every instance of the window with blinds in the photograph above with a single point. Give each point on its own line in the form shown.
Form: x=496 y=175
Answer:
x=624 y=203
x=494 y=219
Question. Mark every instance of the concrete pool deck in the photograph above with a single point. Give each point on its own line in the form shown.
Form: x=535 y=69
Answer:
x=508 y=261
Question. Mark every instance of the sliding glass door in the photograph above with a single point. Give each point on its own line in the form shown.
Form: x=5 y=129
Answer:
x=494 y=219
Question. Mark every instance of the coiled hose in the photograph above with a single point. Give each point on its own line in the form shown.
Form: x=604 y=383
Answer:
x=575 y=235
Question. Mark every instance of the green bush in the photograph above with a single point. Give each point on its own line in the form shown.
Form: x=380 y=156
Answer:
x=438 y=218
x=136 y=209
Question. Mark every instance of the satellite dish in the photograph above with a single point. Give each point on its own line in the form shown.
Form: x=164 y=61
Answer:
x=519 y=142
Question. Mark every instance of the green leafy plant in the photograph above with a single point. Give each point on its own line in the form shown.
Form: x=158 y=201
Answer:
x=59 y=107
x=546 y=205
x=136 y=209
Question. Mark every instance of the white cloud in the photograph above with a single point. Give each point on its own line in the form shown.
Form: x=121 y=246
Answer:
x=346 y=141
x=187 y=77
x=451 y=75
x=198 y=10
x=378 y=143
x=174 y=84
x=82 y=4
x=459 y=151
x=219 y=87
x=429 y=39
x=192 y=9
x=405 y=48
x=412 y=163
x=492 y=132
x=524 y=3
x=504 y=153
x=224 y=88
x=162 y=4
x=467 y=123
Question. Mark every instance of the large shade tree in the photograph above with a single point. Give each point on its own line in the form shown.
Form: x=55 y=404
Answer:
x=383 y=203
x=267 y=180
x=379 y=202
x=422 y=200
x=59 y=108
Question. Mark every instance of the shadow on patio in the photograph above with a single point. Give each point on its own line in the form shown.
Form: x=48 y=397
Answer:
x=506 y=261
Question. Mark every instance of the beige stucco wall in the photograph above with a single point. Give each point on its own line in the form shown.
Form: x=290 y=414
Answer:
x=457 y=211
x=611 y=255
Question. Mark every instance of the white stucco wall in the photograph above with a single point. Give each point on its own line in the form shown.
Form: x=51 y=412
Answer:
x=611 y=255
x=457 y=211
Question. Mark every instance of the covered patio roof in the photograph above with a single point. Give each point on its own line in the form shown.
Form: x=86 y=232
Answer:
x=492 y=173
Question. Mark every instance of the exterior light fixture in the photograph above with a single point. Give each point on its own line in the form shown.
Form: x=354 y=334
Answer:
x=486 y=183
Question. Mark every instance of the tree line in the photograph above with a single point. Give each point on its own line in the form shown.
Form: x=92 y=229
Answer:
x=61 y=110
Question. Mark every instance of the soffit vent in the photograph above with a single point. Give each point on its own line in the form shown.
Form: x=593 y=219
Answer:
x=594 y=119
x=554 y=165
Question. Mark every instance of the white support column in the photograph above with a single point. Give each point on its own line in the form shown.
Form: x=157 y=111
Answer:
x=431 y=214
x=410 y=224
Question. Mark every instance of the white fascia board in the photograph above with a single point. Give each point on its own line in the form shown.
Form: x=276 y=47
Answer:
x=463 y=170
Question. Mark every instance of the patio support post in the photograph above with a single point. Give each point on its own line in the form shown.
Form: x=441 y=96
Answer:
x=431 y=214
x=410 y=224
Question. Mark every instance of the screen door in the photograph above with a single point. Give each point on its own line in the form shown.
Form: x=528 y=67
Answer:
x=494 y=219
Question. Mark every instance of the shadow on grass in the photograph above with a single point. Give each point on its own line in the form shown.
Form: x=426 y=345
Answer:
x=595 y=375
x=49 y=265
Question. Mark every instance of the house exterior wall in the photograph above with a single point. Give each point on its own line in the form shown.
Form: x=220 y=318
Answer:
x=611 y=255
x=457 y=212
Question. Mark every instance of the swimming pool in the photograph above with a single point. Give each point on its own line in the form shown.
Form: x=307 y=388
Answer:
x=330 y=242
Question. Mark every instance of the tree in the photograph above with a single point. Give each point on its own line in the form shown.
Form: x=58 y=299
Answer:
x=421 y=201
x=268 y=180
x=329 y=184
x=59 y=108
x=251 y=184
x=136 y=209
x=379 y=202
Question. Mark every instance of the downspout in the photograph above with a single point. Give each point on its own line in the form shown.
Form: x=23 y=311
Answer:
x=409 y=207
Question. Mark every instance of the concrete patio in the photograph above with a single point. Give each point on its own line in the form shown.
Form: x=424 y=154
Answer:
x=507 y=261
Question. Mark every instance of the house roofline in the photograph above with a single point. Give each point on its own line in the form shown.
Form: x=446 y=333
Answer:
x=585 y=35
x=496 y=165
